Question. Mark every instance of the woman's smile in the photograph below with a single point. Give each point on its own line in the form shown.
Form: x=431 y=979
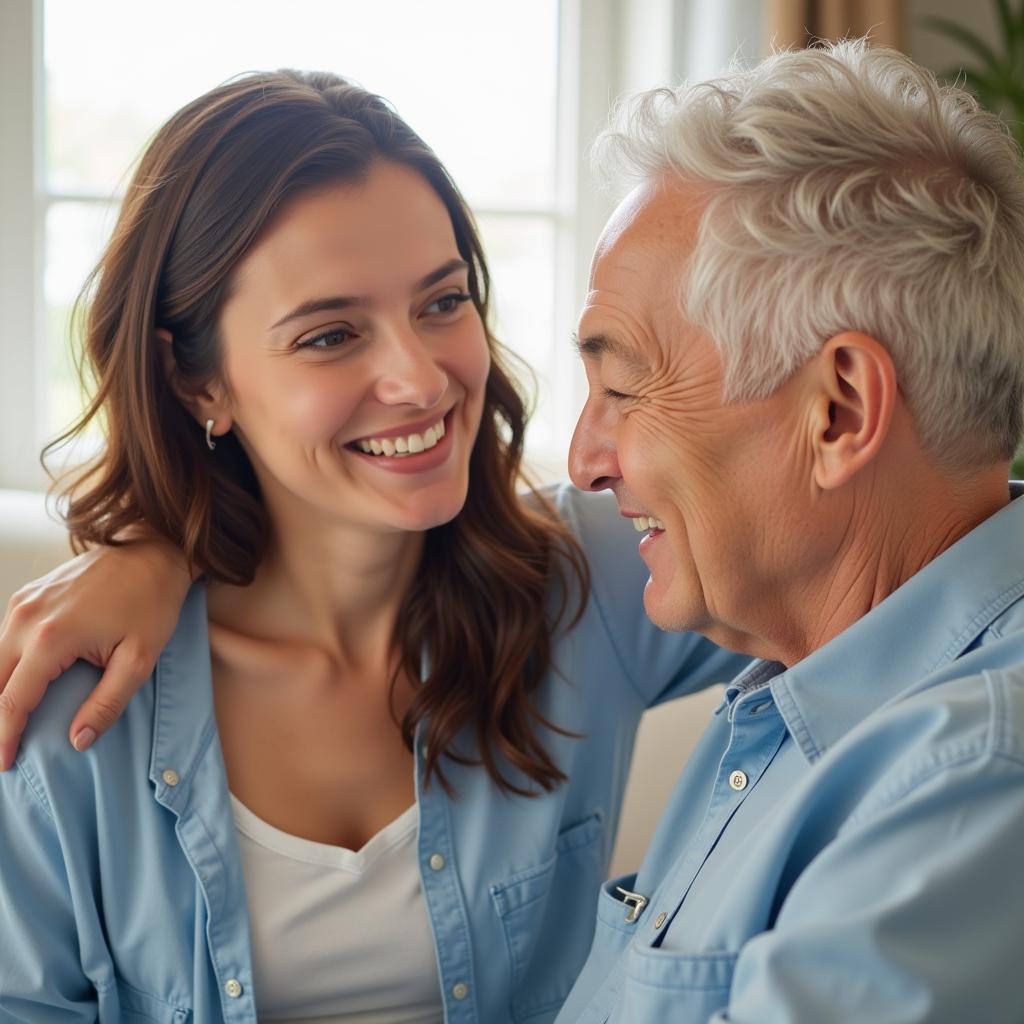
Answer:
x=414 y=449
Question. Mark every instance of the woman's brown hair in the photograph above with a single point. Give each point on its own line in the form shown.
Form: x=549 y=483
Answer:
x=493 y=584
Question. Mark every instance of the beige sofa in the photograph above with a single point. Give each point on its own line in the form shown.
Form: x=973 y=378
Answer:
x=32 y=542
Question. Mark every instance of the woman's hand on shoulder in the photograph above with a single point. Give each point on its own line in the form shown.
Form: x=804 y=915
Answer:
x=115 y=607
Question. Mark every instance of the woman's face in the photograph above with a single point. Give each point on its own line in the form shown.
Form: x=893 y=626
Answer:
x=354 y=361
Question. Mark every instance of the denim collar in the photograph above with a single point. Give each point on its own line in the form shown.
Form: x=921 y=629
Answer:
x=183 y=718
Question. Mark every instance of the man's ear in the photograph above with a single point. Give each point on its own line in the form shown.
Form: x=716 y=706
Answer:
x=209 y=403
x=856 y=393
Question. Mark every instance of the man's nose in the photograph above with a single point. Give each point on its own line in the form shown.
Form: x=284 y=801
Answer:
x=593 y=458
x=410 y=373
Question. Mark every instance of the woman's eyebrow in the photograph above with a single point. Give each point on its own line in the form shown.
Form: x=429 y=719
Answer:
x=442 y=272
x=337 y=302
x=319 y=306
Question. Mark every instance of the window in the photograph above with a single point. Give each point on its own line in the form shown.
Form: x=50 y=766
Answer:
x=508 y=94
x=492 y=124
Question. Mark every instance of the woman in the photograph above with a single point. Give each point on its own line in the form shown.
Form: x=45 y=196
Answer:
x=376 y=772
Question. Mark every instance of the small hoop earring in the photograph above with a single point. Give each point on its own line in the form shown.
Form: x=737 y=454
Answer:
x=210 y=443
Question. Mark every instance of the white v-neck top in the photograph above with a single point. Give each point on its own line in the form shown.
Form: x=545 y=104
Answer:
x=338 y=935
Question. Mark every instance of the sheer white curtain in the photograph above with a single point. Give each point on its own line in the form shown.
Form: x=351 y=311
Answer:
x=797 y=22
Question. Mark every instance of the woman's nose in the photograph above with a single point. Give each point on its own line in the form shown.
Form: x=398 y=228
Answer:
x=410 y=373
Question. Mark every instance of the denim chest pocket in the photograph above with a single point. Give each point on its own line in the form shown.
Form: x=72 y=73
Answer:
x=662 y=984
x=546 y=913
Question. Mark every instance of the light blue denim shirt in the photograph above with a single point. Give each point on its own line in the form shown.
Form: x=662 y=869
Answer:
x=846 y=844
x=121 y=889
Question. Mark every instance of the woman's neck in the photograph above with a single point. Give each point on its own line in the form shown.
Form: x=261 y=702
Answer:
x=339 y=588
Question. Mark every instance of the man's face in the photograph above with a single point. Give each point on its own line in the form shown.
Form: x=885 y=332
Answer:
x=722 y=481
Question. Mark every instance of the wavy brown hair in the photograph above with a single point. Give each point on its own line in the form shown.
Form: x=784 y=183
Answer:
x=210 y=182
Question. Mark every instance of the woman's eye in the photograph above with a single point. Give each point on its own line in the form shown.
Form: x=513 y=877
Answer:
x=448 y=303
x=327 y=339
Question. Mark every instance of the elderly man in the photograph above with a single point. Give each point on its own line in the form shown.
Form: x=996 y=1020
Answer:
x=803 y=340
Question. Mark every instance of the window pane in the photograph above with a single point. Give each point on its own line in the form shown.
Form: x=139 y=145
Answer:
x=75 y=234
x=521 y=256
x=477 y=80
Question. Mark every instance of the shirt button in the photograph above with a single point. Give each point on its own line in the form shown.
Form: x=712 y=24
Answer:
x=460 y=990
x=233 y=987
x=659 y=921
x=738 y=780
x=436 y=862
x=171 y=777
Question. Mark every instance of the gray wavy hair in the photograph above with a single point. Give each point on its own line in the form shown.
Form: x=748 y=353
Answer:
x=849 y=190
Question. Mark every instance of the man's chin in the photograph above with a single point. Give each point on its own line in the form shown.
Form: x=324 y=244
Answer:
x=668 y=610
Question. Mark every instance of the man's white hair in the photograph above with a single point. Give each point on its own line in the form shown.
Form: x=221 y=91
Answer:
x=848 y=190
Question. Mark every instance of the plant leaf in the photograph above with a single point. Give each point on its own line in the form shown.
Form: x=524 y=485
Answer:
x=1017 y=27
x=964 y=37
x=982 y=85
x=1008 y=23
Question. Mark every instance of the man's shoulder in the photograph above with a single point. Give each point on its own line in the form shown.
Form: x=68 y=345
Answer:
x=1006 y=687
x=951 y=735
x=978 y=699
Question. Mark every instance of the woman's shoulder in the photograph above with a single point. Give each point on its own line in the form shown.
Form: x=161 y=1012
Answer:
x=48 y=760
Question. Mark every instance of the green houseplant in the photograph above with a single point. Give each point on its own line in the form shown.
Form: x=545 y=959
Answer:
x=996 y=78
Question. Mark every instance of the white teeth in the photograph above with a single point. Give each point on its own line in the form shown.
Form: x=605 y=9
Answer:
x=411 y=444
x=642 y=523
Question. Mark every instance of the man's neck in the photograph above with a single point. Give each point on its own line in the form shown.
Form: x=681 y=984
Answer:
x=867 y=558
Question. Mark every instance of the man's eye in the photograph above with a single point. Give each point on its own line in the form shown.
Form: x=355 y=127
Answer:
x=448 y=303
x=327 y=339
x=615 y=396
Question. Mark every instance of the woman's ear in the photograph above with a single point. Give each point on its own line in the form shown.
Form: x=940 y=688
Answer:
x=208 y=403
x=857 y=385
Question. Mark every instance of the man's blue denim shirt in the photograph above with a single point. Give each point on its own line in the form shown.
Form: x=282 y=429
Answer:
x=121 y=890
x=846 y=843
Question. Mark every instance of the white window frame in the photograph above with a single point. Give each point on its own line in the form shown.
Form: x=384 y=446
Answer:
x=23 y=351
x=606 y=47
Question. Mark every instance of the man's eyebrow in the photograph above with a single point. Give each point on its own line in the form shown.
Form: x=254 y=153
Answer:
x=594 y=346
x=338 y=302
